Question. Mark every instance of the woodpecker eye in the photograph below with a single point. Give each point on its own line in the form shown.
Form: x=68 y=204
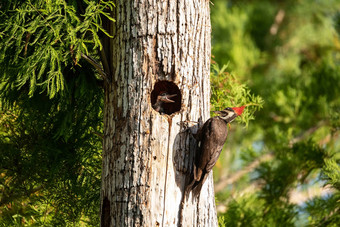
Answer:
x=228 y=114
x=228 y=109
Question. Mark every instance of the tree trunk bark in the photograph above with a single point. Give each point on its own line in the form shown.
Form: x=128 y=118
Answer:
x=159 y=46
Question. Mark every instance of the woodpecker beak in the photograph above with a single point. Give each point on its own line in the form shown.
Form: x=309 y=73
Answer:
x=166 y=98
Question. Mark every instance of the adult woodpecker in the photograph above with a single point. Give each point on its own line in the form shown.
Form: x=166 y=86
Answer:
x=210 y=138
x=161 y=99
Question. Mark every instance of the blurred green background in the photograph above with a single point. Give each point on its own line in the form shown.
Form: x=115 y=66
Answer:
x=283 y=170
x=280 y=165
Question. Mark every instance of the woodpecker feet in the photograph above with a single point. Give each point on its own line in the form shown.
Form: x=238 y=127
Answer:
x=190 y=127
x=187 y=126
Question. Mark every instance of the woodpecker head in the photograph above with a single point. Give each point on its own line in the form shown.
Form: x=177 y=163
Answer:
x=165 y=97
x=230 y=113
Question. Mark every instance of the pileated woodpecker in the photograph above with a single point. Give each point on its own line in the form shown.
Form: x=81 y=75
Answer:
x=161 y=99
x=210 y=138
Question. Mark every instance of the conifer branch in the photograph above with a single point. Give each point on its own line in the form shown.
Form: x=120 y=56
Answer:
x=236 y=176
x=307 y=133
x=97 y=66
x=100 y=135
x=278 y=20
x=299 y=197
x=295 y=196
x=104 y=61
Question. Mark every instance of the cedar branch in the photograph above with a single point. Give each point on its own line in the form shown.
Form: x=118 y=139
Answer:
x=97 y=66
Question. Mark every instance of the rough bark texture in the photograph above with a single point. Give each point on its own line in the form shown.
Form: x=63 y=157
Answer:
x=146 y=157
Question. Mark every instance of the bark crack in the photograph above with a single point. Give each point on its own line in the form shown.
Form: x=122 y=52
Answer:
x=166 y=169
x=138 y=136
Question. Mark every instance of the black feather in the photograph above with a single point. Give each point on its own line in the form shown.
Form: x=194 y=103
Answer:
x=211 y=138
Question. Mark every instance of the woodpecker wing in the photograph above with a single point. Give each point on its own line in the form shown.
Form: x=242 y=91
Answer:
x=214 y=135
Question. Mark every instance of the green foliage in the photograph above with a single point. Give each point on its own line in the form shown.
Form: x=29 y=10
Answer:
x=287 y=52
x=50 y=159
x=332 y=173
x=323 y=211
x=50 y=112
x=293 y=63
x=39 y=39
x=228 y=92
x=229 y=39
x=247 y=212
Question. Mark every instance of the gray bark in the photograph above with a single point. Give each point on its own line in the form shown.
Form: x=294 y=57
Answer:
x=147 y=158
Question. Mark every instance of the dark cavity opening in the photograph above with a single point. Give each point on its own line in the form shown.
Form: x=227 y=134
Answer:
x=171 y=91
x=105 y=216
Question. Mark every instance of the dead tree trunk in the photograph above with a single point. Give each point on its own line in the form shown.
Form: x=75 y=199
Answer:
x=159 y=46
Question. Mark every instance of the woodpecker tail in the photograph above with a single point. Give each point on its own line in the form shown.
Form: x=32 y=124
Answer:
x=194 y=186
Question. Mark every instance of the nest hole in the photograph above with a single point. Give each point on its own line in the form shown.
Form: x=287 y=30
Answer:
x=169 y=88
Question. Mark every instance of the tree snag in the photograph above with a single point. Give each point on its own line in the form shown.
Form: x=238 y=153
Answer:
x=157 y=45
